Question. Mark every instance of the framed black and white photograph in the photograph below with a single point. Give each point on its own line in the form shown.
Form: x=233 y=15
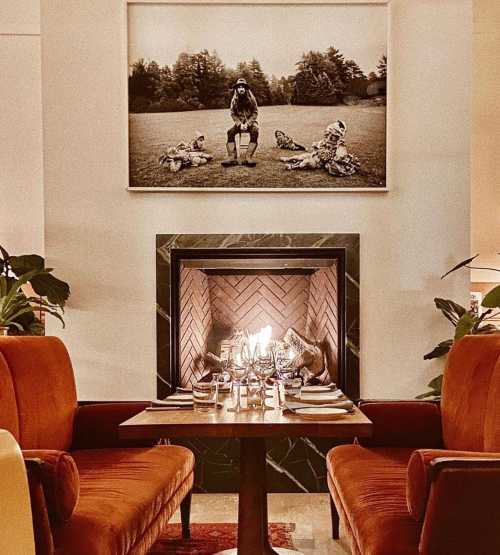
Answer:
x=281 y=97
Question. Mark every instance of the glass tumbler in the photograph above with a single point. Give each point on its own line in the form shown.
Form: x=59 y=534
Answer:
x=204 y=396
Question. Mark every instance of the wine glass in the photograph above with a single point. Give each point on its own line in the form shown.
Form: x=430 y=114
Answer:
x=263 y=369
x=237 y=372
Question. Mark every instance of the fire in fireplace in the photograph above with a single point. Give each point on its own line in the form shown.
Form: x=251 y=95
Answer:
x=289 y=301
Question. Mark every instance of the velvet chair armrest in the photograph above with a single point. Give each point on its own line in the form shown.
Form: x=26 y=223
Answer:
x=60 y=480
x=422 y=469
x=54 y=486
x=44 y=543
x=96 y=425
x=403 y=424
x=462 y=511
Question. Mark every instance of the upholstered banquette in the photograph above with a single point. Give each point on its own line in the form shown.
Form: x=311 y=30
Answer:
x=428 y=481
x=96 y=495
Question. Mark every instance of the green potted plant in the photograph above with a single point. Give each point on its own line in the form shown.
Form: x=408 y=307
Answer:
x=464 y=321
x=18 y=310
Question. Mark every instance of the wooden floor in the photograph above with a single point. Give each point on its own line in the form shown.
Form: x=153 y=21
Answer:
x=310 y=512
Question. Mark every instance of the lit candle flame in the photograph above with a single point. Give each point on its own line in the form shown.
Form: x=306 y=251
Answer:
x=265 y=335
x=252 y=344
x=257 y=343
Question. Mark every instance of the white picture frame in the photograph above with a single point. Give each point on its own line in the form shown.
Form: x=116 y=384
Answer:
x=203 y=183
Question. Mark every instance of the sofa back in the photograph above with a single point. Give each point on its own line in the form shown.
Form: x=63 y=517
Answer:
x=470 y=403
x=37 y=392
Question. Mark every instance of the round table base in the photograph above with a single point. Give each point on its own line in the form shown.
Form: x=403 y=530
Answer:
x=279 y=550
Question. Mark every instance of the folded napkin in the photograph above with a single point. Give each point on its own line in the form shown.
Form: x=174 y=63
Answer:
x=183 y=390
x=328 y=388
x=172 y=402
x=171 y=407
x=292 y=406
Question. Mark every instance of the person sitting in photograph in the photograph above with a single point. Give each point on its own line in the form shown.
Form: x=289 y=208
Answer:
x=330 y=153
x=244 y=111
x=285 y=142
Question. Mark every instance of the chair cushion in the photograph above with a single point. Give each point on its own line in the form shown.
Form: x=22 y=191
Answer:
x=60 y=481
x=122 y=494
x=371 y=485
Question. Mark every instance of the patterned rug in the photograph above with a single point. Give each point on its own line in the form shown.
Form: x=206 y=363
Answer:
x=207 y=539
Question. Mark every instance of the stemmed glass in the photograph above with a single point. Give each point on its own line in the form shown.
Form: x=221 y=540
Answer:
x=237 y=372
x=216 y=377
x=264 y=368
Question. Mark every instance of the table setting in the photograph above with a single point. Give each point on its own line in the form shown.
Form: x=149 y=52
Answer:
x=255 y=379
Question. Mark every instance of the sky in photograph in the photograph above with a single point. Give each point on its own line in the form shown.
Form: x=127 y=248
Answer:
x=275 y=35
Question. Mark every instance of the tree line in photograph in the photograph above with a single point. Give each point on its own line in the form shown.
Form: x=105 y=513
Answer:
x=202 y=81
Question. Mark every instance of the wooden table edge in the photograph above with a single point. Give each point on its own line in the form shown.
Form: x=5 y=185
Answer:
x=133 y=428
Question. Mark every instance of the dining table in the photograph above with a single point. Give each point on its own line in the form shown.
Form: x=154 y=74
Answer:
x=252 y=427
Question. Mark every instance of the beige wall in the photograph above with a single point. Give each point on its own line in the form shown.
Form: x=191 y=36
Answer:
x=485 y=198
x=101 y=237
x=21 y=175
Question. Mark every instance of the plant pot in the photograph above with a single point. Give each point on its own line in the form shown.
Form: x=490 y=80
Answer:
x=4 y=330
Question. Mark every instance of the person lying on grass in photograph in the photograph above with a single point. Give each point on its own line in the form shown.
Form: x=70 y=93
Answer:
x=185 y=154
x=330 y=154
x=285 y=142
x=244 y=112
x=196 y=144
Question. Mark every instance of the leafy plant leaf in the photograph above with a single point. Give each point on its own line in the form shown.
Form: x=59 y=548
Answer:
x=20 y=312
x=35 y=327
x=4 y=286
x=5 y=254
x=460 y=265
x=492 y=298
x=464 y=325
x=428 y=394
x=16 y=286
x=39 y=301
x=450 y=309
x=56 y=290
x=54 y=313
x=439 y=350
x=486 y=329
x=437 y=383
x=17 y=325
x=435 y=386
x=26 y=263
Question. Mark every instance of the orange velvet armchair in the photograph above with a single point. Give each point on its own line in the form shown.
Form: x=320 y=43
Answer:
x=91 y=493
x=428 y=481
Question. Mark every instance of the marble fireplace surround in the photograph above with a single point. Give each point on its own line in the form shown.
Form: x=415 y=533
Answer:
x=293 y=465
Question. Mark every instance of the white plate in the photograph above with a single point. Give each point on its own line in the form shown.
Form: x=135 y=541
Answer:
x=321 y=413
x=317 y=389
x=320 y=398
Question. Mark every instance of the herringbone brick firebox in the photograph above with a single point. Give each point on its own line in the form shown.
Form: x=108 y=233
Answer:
x=217 y=297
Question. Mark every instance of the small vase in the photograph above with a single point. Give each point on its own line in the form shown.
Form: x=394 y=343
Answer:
x=4 y=330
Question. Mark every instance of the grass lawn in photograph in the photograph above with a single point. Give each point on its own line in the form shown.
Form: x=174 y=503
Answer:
x=152 y=133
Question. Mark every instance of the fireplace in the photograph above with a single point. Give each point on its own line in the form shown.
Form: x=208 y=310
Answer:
x=305 y=282
x=219 y=297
